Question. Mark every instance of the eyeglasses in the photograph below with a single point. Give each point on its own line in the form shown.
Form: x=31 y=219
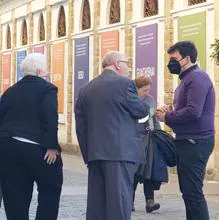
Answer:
x=124 y=61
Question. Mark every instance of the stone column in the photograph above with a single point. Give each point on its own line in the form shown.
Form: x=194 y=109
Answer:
x=14 y=45
x=48 y=33
x=128 y=32
x=216 y=77
x=70 y=70
x=30 y=28
x=168 y=40
x=96 y=38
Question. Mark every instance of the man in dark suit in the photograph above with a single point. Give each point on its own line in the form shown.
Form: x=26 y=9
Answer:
x=106 y=113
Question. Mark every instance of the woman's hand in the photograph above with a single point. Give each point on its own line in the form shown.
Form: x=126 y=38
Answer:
x=51 y=156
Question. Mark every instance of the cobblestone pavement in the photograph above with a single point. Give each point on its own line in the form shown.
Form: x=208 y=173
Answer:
x=73 y=200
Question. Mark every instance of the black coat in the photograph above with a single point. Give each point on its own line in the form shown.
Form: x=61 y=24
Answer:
x=166 y=145
x=160 y=153
x=29 y=110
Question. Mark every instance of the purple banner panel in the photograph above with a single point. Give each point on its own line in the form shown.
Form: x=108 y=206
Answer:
x=20 y=57
x=146 y=54
x=81 y=70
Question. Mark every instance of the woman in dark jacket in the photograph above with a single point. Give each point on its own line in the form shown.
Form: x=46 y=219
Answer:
x=145 y=172
x=29 y=148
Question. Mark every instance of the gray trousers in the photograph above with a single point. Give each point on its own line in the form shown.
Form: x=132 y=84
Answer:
x=110 y=190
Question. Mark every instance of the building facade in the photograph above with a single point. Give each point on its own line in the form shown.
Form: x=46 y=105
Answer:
x=75 y=34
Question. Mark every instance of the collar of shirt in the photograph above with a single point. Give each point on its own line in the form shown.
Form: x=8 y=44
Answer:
x=182 y=75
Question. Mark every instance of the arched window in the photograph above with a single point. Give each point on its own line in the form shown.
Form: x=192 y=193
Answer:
x=194 y=2
x=24 y=32
x=41 y=28
x=61 y=23
x=8 y=37
x=86 y=15
x=150 y=8
x=114 y=12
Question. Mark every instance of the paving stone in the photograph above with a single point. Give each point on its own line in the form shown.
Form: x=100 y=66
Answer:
x=73 y=201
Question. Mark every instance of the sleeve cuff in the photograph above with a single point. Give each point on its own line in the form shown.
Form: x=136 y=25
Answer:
x=167 y=119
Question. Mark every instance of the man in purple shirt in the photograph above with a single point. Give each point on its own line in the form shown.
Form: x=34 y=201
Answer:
x=192 y=119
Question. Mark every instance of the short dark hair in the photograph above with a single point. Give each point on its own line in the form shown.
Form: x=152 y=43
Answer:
x=185 y=48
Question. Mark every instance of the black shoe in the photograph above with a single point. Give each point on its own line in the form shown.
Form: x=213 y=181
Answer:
x=151 y=206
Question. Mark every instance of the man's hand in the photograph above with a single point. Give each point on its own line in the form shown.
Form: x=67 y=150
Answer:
x=160 y=115
x=166 y=108
x=51 y=156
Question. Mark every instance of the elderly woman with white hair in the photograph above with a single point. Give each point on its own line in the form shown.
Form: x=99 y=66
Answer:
x=29 y=149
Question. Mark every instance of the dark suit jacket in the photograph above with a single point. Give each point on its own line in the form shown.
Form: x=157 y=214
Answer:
x=106 y=113
x=28 y=109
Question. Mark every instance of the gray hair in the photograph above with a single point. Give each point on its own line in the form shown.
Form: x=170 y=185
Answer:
x=33 y=63
x=111 y=57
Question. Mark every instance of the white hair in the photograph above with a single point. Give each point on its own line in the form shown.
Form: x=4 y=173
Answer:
x=33 y=63
x=111 y=57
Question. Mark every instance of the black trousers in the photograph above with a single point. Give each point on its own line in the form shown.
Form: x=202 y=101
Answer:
x=110 y=190
x=192 y=158
x=22 y=164
x=148 y=189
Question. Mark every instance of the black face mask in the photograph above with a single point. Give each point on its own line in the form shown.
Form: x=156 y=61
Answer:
x=174 y=67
